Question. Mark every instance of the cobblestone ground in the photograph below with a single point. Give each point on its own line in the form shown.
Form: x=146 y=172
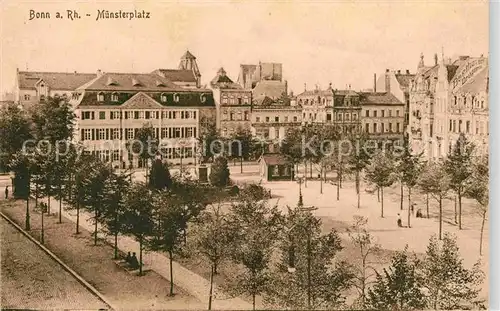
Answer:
x=32 y=280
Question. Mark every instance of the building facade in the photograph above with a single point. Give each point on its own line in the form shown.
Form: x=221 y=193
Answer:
x=347 y=111
x=264 y=79
x=317 y=105
x=233 y=104
x=382 y=116
x=111 y=109
x=460 y=106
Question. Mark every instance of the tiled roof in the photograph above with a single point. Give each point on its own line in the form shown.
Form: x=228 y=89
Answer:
x=263 y=101
x=327 y=92
x=55 y=80
x=404 y=79
x=379 y=98
x=273 y=89
x=274 y=159
x=126 y=81
x=222 y=81
x=345 y=92
x=452 y=70
x=478 y=84
x=176 y=75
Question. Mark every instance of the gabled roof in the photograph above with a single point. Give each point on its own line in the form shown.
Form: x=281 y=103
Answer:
x=452 y=70
x=176 y=75
x=273 y=89
x=478 y=84
x=404 y=79
x=63 y=81
x=126 y=81
x=222 y=81
x=188 y=55
x=345 y=93
x=141 y=101
x=263 y=101
x=274 y=159
x=379 y=98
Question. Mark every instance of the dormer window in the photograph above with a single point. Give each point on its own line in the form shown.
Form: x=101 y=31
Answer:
x=100 y=97
x=203 y=98
x=163 y=98
x=159 y=83
x=42 y=97
x=176 y=97
x=114 y=97
x=110 y=82
x=136 y=82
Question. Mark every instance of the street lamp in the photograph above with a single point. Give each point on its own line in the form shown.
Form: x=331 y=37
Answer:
x=299 y=181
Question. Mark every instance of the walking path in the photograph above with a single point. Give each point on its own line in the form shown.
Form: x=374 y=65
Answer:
x=193 y=283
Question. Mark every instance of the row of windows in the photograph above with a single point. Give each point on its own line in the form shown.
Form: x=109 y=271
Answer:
x=130 y=133
x=163 y=97
x=473 y=101
x=278 y=119
x=382 y=113
x=168 y=153
x=381 y=128
x=235 y=101
x=235 y=116
x=458 y=126
x=116 y=115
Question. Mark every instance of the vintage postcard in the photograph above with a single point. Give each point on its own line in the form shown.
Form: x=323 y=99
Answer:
x=244 y=155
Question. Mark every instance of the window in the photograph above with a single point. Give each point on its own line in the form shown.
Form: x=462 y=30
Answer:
x=267 y=119
x=148 y=114
x=136 y=115
x=194 y=114
x=102 y=115
x=375 y=113
x=246 y=115
x=115 y=134
x=390 y=127
x=276 y=119
x=86 y=115
x=116 y=155
x=390 y=113
x=467 y=127
x=129 y=134
x=177 y=132
x=239 y=100
x=231 y=116
x=382 y=127
x=286 y=118
x=114 y=97
x=257 y=119
x=339 y=117
x=460 y=126
x=295 y=119
x=347 y=116
x=328 y=117
x=397 y=113
x=397 y=128
x=100 y=97
x=27 y=96
x=87 y=134
x=367 y=113
x=102 y=134
x=354 y=116
x=163 y=98
x=189 y=132
x=374 y=127
x=454 y=126
x=382 y=113
x=367 y=127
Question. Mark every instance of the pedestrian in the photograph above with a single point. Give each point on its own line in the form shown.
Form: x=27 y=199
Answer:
x=129 y=258
x=400 y=223
x=134 y=263
x=419 y=213
x=413 y=209
x=6 y=192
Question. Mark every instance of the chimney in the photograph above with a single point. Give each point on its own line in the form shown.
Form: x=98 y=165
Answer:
x=375 y=83
x=399 y=71
x=305 y=87
x=387 y=70
x=387 y=81
x=99 y=72
x=286 y=87
x=75 y=72
x=407 y=71
x=435 y=59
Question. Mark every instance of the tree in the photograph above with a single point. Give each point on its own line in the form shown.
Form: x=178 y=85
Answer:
x=437 y=183
x=138 y=218
x=14 y=132
x=458 y=165
x=381 y=172
x=53 y=120
x=307 y=276
x=214 y=239
x=257 y=227
x=478 y=189
x=159 y=177
x=210 y=142
x=169 y=228
x=398 y=287
x=365 y=246
x=22 y=164
x=359 y=158
x=219 y=173
x=144 y=145
x=409 y=167
x=450 y=285
x=114 y=205
x=291 y=146
x=241 y=143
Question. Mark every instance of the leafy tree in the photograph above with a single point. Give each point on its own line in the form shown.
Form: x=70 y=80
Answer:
x=381 y=172
x=458 y=165
x=436 y=182
x=210 y=142
x=450 y=285
x=365 y=246
x=409 y=167
x=359 y=158
x=307 y=277
x=214 y=239
x=219 y=173
x=241 y=145
x=22 y=164
x=138 y=218
x=171 y=223
x=254 y=192
x=399 y=287
x=478 y=189
x=159 y=177
x=14 y=132
x=45 y=158
x=53 y=120
x=144 y=145
x=291 y=146
x=257 y=227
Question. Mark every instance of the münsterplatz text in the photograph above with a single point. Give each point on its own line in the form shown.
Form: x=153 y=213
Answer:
x=136 y=14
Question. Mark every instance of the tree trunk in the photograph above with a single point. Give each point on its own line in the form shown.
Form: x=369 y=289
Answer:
x=382 y=201
x=455 y=209
x=482 y=232
x=321 y=180
x=170 y=257
x=48 y=202
x=357 y=189
x=440 y=218
x=215 y=268
x=311 y=169
x=459 y=210
x=60 y=204
x=77 y=217
x=305 y=173
x=95 y=228
x=140 y=256
x=42 y=239
x=241 y=165
x=211 y=288
x=116 y=244
x=409 y=207
x=341 y=175
x=338 y=185
x=27 y=223
x=378 y=194
x=253 y=301
x=402 y=192
x=427 y=203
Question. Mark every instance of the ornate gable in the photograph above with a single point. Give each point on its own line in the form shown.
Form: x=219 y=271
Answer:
x=141 y=101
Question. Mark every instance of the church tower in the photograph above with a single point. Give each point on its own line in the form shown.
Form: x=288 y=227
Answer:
x=188 y=62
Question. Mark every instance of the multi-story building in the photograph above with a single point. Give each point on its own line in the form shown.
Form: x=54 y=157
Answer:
x=188 y=75
x=264 y=79
x=460 y=106
x=233 y=104
x=347 y=111
x=111 y=108
x=382 y=116
x=33 y=86
x=317 y=105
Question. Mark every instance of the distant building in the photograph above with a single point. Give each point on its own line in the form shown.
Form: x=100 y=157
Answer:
x=382 y=116
x=187 y=75
x=347 y=111
x=264 y=79
x=233 y=104
x=449 y=99
x=317 y=105
x=275 y=167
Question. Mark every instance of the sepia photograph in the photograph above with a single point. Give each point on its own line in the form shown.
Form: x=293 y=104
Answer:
x=245 y=155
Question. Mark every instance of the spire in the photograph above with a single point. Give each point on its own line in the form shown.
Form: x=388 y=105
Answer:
x=421 y=62
x=435 y=59
x=188 y=62
x=221 y=72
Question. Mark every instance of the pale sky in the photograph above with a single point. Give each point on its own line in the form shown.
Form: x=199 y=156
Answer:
x=342 y=42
